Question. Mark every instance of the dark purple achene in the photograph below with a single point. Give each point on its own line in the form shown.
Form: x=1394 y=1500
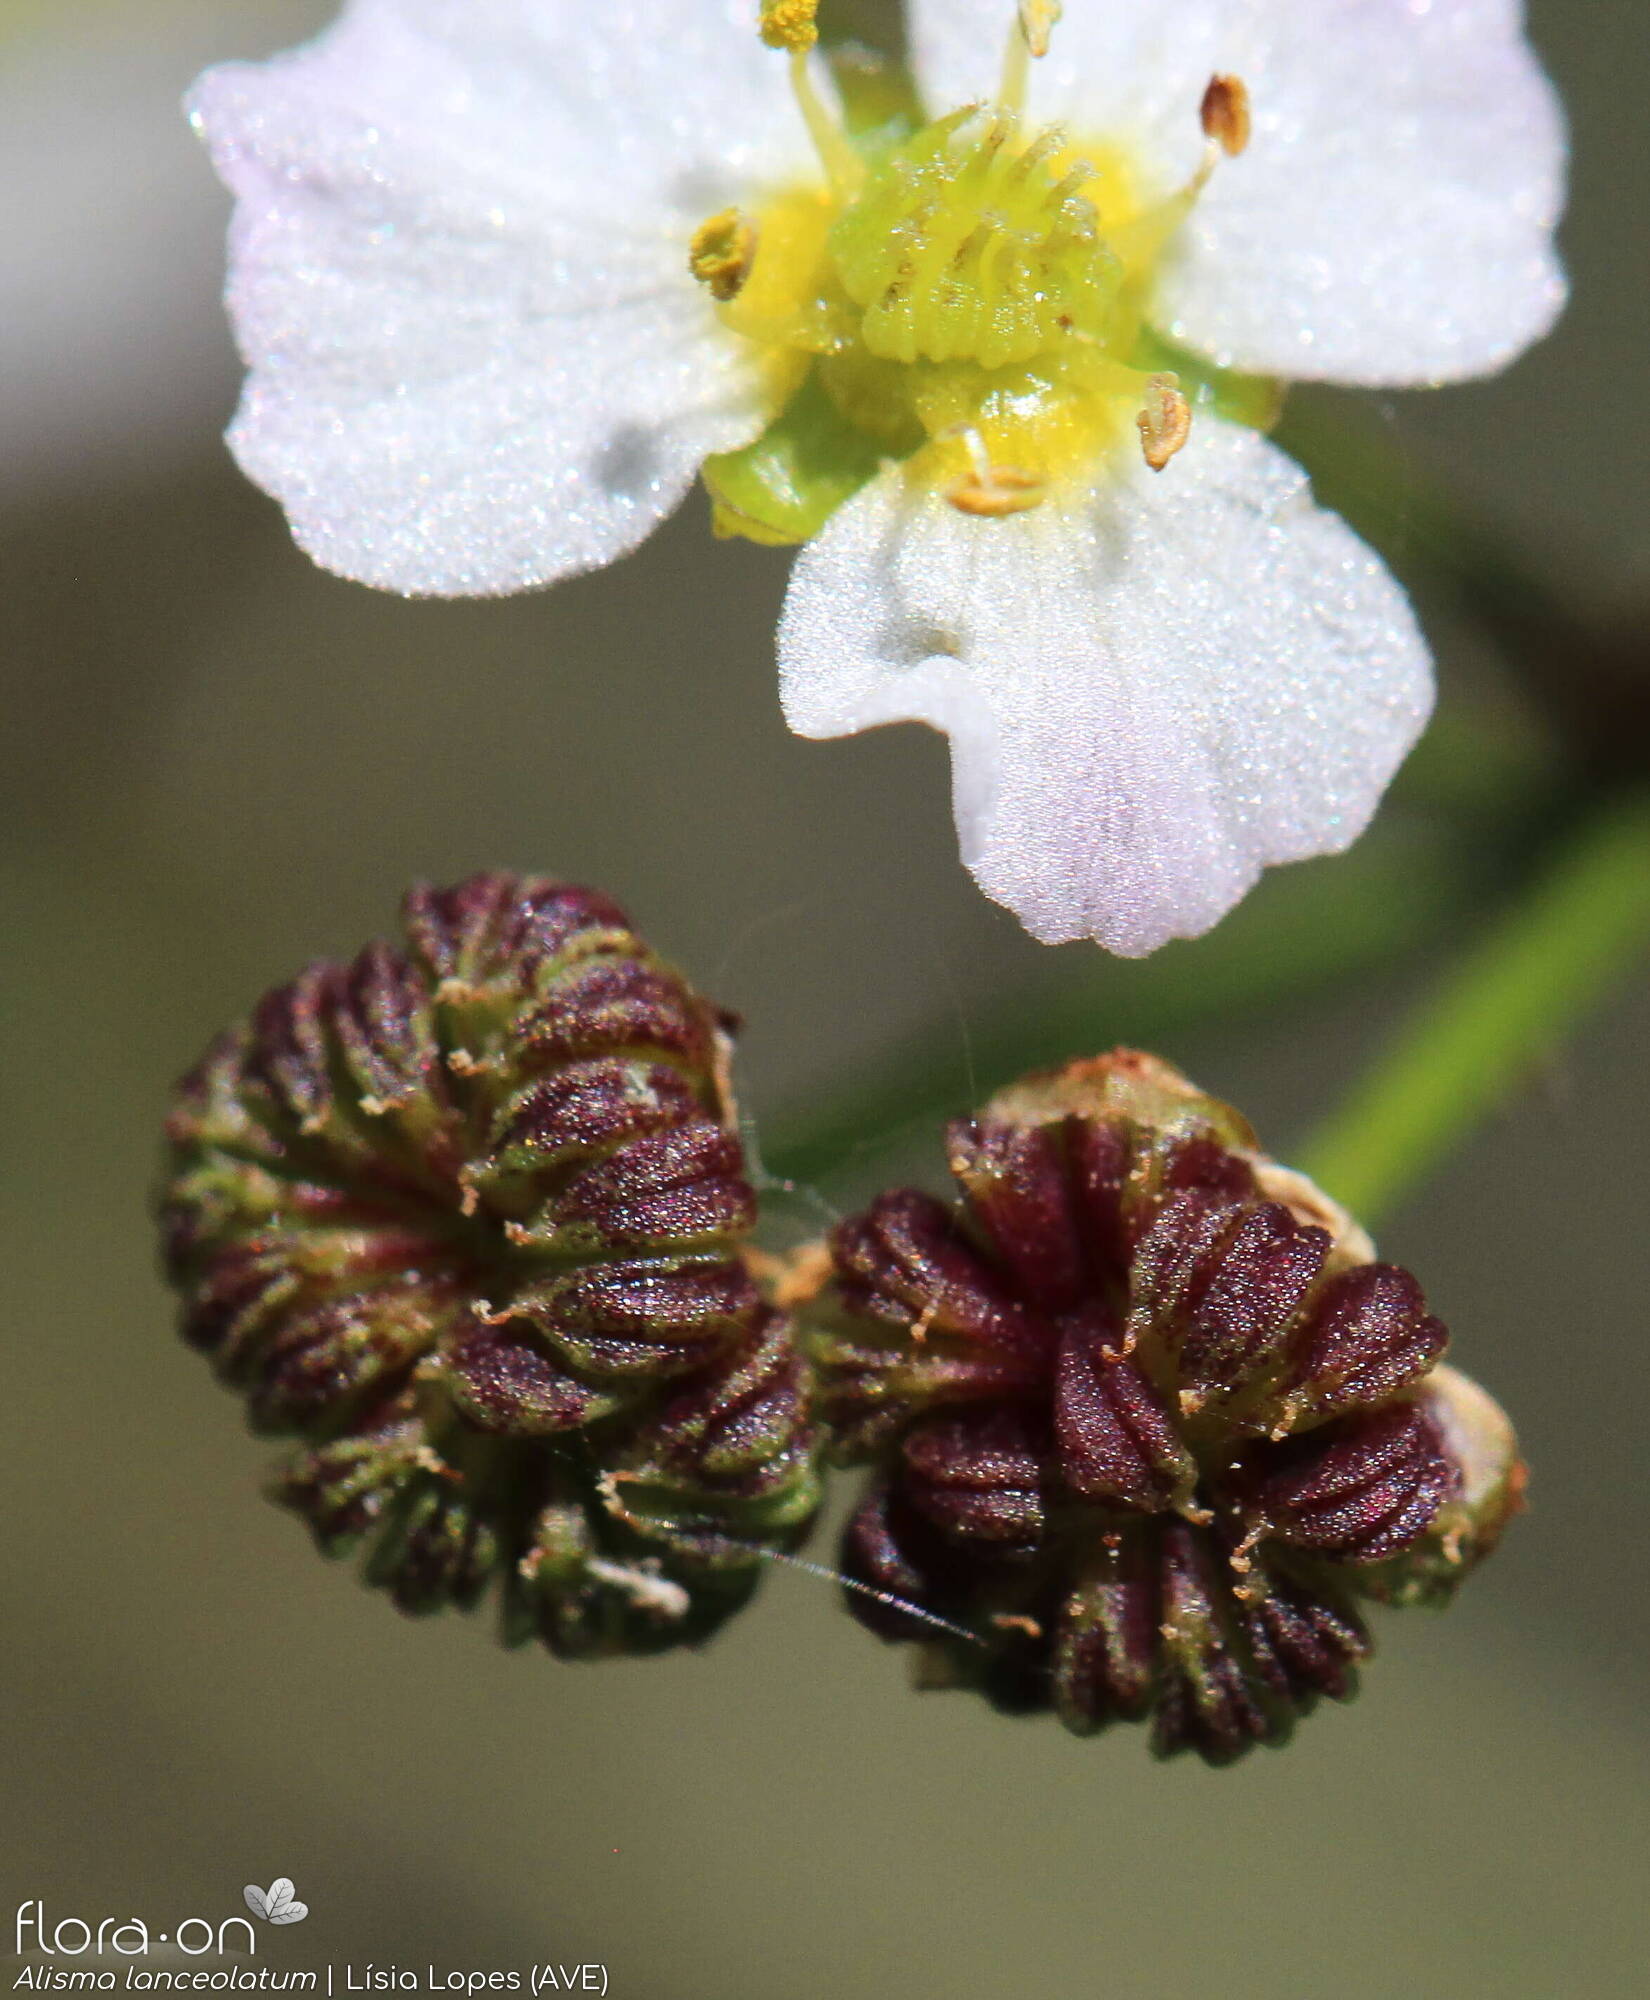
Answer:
x=468 y=1216
x=1147 y=1418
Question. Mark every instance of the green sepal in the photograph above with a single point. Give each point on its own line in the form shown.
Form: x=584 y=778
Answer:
x=1255 y=401
x=784 y=486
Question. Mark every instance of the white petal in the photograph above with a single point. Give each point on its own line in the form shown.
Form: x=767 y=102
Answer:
x=1392 y=219
x=1150 y=697
x=458 y=275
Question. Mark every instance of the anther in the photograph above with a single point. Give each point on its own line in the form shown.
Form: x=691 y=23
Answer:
x=1165 y=420
x=721 y=253
x=1003 y=491
x=1225 y=114
x=789 y=24
x=993 y=491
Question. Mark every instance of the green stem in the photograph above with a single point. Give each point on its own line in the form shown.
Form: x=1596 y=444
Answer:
x=1508 y=1002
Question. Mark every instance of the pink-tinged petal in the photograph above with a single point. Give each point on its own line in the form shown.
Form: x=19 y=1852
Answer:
x=1392 y=218
x=1150 y=696
x=459 y=278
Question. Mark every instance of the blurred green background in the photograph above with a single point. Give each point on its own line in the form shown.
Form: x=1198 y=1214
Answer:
x=219 y=762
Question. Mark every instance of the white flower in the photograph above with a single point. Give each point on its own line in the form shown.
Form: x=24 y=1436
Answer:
x=480 y=361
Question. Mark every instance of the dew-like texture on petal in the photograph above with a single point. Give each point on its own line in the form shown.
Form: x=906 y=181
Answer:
x=1391 y=221
x=458 y=274
x=1150 y=695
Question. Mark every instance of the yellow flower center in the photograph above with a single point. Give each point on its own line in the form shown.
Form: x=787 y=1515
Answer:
x=969 y=296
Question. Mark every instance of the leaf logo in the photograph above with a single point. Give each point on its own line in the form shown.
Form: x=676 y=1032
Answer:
x=276 y=1905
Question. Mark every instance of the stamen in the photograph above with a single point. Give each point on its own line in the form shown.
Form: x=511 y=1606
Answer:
x=722 y=252
x=1224 y=116
x=992 y=491
x=1165 y=421
x=842 y=164
x=1033 y=24
x=789 y=25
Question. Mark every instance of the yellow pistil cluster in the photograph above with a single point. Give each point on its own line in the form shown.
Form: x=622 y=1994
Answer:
x=967 y=245
x=967 y=295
